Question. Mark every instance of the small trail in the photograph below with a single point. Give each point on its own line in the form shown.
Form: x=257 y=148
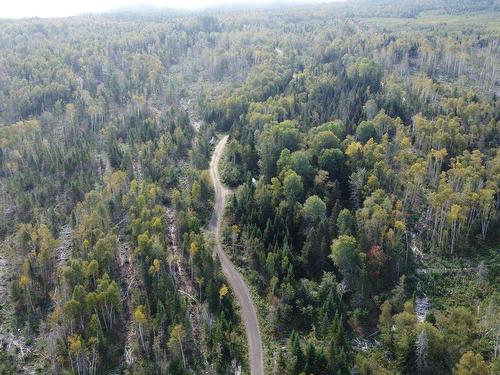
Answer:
x=3 y=279
x=128 y=281
x=65 y=239
x=234 y=278
x=194 y=118
x=137 y=169
x=422 y=307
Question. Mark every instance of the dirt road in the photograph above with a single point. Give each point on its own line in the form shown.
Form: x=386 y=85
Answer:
x=234 y=278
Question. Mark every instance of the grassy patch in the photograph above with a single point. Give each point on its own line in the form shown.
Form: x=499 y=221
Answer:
x=462 y=282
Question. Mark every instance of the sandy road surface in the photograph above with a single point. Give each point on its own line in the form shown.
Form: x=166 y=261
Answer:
x=234 y=278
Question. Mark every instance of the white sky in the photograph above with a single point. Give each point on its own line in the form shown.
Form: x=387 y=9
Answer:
x=62 y=8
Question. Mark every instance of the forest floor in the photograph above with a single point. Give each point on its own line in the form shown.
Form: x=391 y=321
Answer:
x=234 y=278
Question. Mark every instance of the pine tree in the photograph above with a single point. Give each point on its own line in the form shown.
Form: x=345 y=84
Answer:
x=296 y=352
x=338 y=347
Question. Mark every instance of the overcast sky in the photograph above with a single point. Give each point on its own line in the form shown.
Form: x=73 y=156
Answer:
x=62 y=8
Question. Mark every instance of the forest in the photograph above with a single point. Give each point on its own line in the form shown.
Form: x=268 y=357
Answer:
x=363 y=172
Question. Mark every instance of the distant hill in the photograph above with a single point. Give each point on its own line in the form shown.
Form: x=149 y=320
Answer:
x=217 y=6
x=143 y=8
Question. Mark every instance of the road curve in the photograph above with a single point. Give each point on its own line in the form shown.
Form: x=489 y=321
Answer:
x=234 y=278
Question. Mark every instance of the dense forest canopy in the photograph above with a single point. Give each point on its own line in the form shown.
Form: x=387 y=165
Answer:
x=364 y=163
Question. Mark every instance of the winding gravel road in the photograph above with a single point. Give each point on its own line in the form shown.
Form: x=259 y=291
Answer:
x=233 y=277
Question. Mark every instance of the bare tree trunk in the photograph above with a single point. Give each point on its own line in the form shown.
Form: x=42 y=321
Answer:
x=182 y=352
